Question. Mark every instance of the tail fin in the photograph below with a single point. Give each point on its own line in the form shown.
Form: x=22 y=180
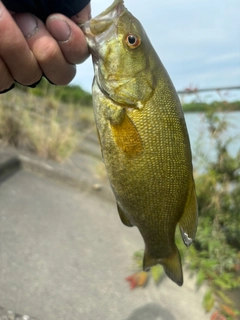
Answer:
x=172 y=265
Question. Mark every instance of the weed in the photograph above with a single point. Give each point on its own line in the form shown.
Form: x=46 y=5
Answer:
x=42 y=125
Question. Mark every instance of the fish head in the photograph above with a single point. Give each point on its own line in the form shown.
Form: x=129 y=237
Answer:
x=122 y=55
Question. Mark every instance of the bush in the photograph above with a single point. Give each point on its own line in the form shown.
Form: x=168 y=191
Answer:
x=214 y=106
x=215 y=255
x=68 y=94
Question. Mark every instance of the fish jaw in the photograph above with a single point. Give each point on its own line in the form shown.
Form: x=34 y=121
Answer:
x=106 y=36
x=97 y=29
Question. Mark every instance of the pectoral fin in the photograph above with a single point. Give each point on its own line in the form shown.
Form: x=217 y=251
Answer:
x=123 y=217
x=100 y=142
x=189 y=219
x=127 y=137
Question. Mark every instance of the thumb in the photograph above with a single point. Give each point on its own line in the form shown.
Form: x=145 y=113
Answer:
x=69 y=36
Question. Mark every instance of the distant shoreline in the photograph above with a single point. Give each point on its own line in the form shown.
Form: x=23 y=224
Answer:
x=216 y=106
x=78 y=97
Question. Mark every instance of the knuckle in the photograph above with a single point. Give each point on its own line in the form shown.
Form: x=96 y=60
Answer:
x=54 y=64
x=48 y=52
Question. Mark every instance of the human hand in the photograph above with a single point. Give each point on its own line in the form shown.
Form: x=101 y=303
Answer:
x=29 y=48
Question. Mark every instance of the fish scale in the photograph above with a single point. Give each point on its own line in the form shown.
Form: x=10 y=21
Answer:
x=143 y=137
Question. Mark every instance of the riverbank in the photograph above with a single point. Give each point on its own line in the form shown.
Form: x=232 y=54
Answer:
x=216 y=106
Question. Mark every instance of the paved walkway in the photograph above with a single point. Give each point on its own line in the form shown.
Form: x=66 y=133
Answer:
x=64 y=252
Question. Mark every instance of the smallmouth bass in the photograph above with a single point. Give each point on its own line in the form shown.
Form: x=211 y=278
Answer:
x=143 y=137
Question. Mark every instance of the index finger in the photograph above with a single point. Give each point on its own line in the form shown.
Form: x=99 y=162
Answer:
x=14 y=51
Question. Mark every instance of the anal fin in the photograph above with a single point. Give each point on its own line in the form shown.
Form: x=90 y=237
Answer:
x=189 y=219
x=125 y=220
x=149 y=261
x=172 y=265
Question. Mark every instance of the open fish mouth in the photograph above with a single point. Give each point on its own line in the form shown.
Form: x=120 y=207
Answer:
x=101 y=23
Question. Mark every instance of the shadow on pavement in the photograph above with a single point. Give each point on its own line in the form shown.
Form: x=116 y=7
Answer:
x=9 y=168
x=151 y=311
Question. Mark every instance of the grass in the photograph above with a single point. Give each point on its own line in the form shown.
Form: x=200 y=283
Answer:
x=42 y=125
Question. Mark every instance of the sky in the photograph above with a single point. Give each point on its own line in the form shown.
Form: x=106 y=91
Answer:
x=198 y=41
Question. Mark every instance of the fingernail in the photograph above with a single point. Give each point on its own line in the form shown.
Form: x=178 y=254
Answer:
x=59 y=29
x=49 y=80
x=31 y=85
x=27 y=24
x=6 y=90
x=35 y=84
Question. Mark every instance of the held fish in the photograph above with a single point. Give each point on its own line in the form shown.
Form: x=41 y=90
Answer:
x=143 y=137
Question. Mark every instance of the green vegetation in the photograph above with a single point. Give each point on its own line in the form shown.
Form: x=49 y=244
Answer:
x=67 y=94
x=215 y=106
x=76 y=95
x=214 y=257
x=50 y=121
x=43 y=125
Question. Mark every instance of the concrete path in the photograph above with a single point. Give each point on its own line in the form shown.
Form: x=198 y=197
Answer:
x=64 y=254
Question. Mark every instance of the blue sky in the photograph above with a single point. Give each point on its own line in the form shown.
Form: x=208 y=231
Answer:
x=198 y=41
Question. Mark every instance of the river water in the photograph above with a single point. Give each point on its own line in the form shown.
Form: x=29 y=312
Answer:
x=200 y=138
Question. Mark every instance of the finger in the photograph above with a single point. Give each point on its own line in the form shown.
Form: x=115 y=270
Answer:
x=15 y=53
x=6 y=79
x=46 y=50
x=70 y=38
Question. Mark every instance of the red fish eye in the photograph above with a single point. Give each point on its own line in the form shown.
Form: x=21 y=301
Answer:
x=133 y=41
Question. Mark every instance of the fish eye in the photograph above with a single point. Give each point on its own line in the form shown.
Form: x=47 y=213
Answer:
x=133 y=41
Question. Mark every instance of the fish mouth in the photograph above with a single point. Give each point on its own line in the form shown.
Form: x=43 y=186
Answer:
x=101 y=23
